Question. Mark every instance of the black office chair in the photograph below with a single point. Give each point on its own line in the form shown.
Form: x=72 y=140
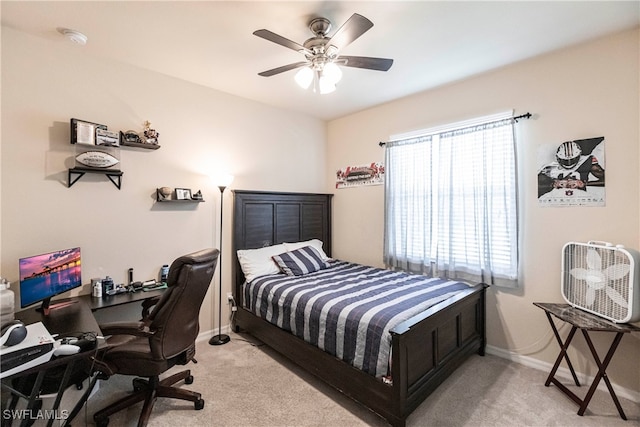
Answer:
x=163 y=338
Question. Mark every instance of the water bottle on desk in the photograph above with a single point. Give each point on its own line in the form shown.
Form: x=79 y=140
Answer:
x=96 y=288
x=7 y=302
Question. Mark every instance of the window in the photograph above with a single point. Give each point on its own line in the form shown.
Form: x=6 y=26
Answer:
x=451 y=203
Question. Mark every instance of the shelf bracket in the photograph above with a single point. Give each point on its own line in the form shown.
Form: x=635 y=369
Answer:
x=116 y=179
x=77 y=175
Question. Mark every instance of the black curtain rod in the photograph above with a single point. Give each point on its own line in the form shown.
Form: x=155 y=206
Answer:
x=515 y=119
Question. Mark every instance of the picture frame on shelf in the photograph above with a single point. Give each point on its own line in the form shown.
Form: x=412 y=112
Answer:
x=107 y=138
x=84 y=132
x=183 y=194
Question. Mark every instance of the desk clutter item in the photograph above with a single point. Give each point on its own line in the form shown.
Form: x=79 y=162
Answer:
x=147 y=285
x=602 y=279
x=7 y=302
x=66 y=350
x=101 y=288
x=154 y=287
x=107 y=285
x=73 y=344
x=117 y=289
x=164 y=273
x=96 y=288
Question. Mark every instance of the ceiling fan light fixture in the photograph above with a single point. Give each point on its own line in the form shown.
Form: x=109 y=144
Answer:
x=325 y=85
x=304 y=77
x=332 y=72
x=320 y=69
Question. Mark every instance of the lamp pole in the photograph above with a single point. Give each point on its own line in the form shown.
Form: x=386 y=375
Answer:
x=220 y=338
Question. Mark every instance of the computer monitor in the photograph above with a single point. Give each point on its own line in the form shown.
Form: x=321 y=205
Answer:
x=47 y=275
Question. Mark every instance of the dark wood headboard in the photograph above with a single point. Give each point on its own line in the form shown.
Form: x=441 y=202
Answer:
x=268 y=218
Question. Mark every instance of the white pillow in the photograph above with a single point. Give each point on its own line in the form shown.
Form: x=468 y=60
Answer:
x=317 y=244
x=258 y=262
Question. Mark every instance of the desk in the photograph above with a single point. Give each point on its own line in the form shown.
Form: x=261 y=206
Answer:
x=579 y=319
x=63 y=321
x=95 y=303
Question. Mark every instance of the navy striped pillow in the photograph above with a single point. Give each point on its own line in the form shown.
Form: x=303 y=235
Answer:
x=300 y=261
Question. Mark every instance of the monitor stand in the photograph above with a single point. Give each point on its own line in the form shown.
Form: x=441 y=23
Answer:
x=47 y=306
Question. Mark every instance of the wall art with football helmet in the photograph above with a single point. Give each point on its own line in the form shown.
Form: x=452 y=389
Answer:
x=572 y=173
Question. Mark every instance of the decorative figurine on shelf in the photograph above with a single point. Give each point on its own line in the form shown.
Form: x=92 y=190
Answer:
x=165 y=192
x=197 y=195
x=150 y=135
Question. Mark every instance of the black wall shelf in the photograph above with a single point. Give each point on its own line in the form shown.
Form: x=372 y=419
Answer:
x=139 y=145
x=115 y=176
x=180 y=201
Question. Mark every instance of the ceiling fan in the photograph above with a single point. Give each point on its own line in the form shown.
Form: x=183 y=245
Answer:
x=322 y=53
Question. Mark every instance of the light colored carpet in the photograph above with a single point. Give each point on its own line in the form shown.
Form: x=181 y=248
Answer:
x=246 y=385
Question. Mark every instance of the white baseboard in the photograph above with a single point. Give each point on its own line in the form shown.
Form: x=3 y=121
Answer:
x=632 y=395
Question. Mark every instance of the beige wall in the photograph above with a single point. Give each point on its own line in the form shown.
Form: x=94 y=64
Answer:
x=586 y=91
x=202 y=131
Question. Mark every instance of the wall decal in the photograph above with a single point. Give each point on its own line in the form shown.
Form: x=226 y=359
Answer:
x=355 y=176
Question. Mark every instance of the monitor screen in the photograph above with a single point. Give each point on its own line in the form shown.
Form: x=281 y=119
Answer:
x=47 y=275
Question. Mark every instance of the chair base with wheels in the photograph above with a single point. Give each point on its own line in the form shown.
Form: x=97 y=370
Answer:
x=148 y=390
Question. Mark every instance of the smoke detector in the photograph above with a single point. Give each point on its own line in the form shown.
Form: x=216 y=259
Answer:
x=75 y=36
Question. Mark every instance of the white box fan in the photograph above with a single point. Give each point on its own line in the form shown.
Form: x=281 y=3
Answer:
x=602 y=279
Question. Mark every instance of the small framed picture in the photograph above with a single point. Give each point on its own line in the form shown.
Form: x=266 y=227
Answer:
x=183 y=194
x=83 y=132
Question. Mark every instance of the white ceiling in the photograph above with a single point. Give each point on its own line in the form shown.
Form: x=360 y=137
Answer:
x=211 y=42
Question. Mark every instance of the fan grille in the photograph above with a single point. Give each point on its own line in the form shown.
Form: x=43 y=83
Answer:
x=598 y=279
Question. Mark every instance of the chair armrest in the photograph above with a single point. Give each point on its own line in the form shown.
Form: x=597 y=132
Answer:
x=137 y=329
x=147 y=304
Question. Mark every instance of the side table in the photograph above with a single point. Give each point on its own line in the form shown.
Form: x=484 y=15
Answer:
x=579 y=319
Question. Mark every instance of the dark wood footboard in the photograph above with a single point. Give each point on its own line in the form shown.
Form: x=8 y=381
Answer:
x=429 y=347
x=426 y=350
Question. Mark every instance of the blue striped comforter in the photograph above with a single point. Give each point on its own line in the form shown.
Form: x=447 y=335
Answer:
x=348 y=309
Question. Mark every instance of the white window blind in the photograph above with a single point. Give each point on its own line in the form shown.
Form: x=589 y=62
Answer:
x=451 y=203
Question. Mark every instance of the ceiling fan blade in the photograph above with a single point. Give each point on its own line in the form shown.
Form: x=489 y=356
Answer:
x=378 y=64
x=282 y=69
x=275 y=38
x=355 y=26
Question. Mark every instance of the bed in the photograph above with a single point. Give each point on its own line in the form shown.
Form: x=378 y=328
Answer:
x=424 y=348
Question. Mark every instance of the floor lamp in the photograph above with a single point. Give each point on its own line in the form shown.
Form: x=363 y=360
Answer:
x=220 y=339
